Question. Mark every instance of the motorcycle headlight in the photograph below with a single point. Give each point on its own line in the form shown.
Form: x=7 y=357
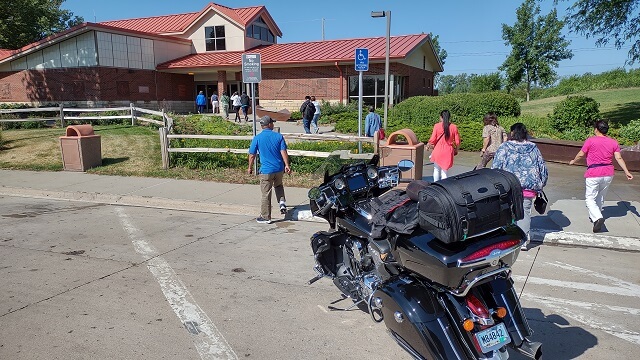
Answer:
x=339 y=184
x=372 y=172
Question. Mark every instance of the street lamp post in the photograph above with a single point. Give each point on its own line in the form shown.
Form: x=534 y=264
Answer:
x=386 y=14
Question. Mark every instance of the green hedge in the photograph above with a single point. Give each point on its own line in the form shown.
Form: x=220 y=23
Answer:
x=574 y=113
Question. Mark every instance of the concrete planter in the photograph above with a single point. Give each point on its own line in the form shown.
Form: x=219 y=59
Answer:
x=563 y=151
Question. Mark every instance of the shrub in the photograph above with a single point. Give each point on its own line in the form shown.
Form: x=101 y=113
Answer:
x=426 y=109
x=574 y=112
x=470 y=135
x=630 y=133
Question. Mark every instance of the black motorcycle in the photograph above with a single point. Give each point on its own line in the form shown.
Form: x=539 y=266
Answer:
x=438 y=300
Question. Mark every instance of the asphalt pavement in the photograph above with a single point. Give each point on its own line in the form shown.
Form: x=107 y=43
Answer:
x=566 y=221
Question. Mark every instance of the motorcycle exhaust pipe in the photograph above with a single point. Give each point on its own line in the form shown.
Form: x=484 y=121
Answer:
x=532 y=349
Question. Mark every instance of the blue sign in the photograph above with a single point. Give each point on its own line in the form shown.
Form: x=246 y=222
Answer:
x=362 y=59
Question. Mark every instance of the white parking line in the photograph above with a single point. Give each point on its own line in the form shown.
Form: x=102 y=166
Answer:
x=570 y=308
x=209 y=342
x=613 y=290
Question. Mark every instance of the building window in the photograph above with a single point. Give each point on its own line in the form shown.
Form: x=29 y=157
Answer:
x=373 y=89
x=214 y=37
x=259 y=30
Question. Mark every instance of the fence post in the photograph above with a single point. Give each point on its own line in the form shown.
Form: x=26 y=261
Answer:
x=133 y=114
x=376 y=142
x=164 y=147
x=61 y=115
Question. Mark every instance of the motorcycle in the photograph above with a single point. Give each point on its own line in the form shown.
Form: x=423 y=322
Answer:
x=437 y=300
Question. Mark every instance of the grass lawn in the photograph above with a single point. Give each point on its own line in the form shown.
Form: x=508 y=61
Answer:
x=126 y=151
x=617 y=105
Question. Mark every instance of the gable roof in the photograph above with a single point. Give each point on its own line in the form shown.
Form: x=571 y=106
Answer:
x=6 y=54
x=305 y=52
x=180 y=23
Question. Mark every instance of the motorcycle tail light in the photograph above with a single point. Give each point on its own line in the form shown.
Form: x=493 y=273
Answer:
x=476 y=306
x=484 y=252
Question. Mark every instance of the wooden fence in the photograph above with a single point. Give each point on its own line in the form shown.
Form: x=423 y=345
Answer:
x=166 y=149
x=61 y=110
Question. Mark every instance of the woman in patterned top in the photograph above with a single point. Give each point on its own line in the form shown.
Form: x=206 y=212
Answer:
x=523 y=158
x=492 y=136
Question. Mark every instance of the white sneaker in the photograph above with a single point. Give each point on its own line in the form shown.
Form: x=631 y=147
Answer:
x=283 y=207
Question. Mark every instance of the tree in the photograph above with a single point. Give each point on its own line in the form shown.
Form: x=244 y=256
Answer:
x=536 y=47
x=452 y=84
x=608 y=20
x=485 y=82
x=442 y=53
x=25 y=21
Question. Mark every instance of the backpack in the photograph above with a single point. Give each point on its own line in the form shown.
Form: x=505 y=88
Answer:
x=310 y=110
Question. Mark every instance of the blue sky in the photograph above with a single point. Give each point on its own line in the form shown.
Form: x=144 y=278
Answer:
x=470 y=31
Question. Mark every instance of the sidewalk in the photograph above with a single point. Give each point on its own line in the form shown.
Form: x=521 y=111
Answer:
x=566 y=221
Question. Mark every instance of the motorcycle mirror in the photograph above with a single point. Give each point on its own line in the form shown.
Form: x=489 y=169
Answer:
x=405 y=165
x=314 y=193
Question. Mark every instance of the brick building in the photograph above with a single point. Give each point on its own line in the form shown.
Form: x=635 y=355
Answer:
x=164 y=61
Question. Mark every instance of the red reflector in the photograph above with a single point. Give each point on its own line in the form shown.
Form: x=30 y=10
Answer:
x=484 y=252
x=476 y=306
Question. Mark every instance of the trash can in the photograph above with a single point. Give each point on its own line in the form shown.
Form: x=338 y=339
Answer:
x=396 y=150
x=81 y=148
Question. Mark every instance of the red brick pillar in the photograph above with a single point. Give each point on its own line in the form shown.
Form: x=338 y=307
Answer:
x=222 y=82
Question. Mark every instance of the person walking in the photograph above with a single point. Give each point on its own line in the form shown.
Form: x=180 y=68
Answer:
x=316 y=115
x=235 y=99
x=372 y=122
x=307 y=109
x=274 y=162
x=201 y=102
x=245 y=102
x=493 y=135
x=214 y=102
x=600 y=151
x=224 y=104
x=523 y=158
x=444 y=142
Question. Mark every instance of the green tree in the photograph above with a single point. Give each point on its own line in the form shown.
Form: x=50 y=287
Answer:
x=485 y=82
x=442 y=53
x=452 y=84
x=606 y=20
x=536 y=47
x=25 y=21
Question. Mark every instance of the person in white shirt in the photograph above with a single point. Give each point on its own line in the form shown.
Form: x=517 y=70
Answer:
x=235 y=102
x=316 y=115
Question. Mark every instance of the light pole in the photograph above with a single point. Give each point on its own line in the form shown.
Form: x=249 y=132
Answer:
x=386 y=14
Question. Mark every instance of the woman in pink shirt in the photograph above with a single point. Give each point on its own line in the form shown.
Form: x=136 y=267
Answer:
x=444 y=141
x=600 y=150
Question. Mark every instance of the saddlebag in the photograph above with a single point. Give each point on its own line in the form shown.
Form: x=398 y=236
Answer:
x=470 y=204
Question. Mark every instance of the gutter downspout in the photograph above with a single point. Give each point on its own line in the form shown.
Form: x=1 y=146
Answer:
x=341 y=84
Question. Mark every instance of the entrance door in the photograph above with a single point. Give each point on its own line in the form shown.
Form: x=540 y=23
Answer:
x=210 y=89
x=233 y=87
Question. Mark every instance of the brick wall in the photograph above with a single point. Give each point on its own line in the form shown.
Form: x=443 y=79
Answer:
x=96 y=84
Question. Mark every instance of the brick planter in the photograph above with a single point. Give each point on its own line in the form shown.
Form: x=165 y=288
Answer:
x=563 y=151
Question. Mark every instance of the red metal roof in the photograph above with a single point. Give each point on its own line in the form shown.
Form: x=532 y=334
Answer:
x=4 y=53
x=305 y=52
x=178 y=23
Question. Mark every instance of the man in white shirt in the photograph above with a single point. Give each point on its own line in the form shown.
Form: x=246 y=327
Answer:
x=316 y=115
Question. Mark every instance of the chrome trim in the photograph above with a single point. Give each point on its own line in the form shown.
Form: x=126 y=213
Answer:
x=399 y=317
x=491 y=259
x=363 y=212
x=480 y=320
x=464 y=289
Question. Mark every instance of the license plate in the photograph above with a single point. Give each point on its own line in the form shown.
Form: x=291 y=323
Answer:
x=493 y=338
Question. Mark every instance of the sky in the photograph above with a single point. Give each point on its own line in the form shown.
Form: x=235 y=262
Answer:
x=469 y=30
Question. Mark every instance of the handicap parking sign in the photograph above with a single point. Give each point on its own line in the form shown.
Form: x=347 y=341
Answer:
x=362 y=59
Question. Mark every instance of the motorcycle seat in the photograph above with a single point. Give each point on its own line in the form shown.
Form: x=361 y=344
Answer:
x=382 y=245
x=414 y=188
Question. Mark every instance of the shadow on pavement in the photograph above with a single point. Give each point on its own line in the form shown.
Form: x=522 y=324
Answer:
x=558 y=338
x=620 y=210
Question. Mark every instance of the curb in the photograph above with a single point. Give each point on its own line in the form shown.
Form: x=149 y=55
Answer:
x=132 y=200
x=544 y=236
x=560 y=237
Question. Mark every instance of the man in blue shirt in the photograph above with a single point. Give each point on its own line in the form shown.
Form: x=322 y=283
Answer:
x=371 y=122
x=274 y=162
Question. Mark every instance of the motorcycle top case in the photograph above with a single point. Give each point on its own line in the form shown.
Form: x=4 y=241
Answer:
x=470 y=204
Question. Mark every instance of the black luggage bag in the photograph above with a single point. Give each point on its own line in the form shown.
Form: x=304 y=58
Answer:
x=470 y=204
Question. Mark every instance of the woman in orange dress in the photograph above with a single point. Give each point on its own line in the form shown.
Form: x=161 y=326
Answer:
x=444 y=141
